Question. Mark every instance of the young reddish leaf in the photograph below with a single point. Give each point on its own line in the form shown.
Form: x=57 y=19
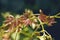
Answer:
x=51 y=21
x=42 y=17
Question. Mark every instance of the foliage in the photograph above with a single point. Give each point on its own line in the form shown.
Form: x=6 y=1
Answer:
x=25 y=27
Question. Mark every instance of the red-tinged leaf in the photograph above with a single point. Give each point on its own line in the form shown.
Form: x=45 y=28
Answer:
x=42 y=17
x=27 y=22
x=51 y=21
